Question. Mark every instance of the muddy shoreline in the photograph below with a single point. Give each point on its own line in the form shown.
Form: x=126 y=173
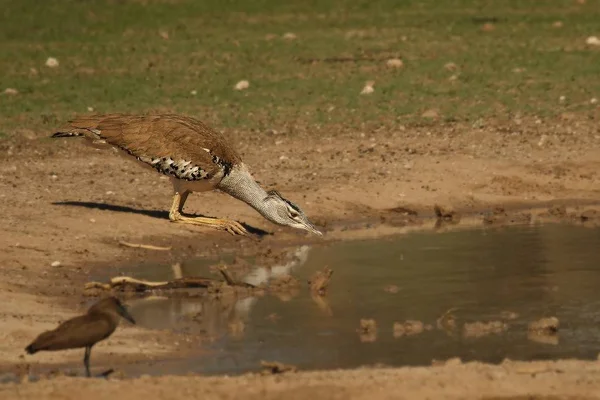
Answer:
x=65 y=213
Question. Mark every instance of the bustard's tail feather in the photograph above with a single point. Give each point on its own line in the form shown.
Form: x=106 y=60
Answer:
x=66 y=134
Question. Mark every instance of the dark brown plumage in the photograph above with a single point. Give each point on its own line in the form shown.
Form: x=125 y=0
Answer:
x=150 y=137
x=97 y=324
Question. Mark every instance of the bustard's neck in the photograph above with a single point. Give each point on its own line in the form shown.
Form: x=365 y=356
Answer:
x=240 y=184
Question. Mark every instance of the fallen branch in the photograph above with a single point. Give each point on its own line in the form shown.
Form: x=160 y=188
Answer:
x=230 y=280
x=143 y=246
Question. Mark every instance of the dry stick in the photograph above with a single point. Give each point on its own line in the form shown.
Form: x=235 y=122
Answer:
x=143 y=246
x=230 y=280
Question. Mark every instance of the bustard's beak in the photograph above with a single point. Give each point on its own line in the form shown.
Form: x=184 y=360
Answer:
x=125 y=314
x=311 y=228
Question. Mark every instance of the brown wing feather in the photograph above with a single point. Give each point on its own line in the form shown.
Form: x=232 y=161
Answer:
x=78 y=332
x=156 y=138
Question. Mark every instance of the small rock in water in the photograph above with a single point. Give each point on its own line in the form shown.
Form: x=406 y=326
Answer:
x=408 y=328
x=367 y=330
x=242 y=85
x=544 y=326
x=51 y=62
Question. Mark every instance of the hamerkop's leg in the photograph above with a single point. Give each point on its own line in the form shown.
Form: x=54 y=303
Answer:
x=232 y=227
x=86 y=360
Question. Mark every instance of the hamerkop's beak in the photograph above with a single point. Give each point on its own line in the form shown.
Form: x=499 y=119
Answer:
x=125 y=314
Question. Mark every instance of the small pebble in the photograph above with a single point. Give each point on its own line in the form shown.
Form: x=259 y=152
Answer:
x=395 y=63
x=11 y=91
x=368 y=89
x=290 y=36
x=593 y=41
x=55 y=264
x=593 y=100
x=242 y=85
x=193 y=92
x=51 y=62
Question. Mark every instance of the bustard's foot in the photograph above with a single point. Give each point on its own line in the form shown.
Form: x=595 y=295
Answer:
x=233 y=227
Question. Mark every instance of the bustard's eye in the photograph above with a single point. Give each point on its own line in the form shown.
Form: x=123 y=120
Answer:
x=293 y=214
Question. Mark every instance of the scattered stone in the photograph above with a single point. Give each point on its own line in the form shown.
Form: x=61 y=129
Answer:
x=593 y=100
x=592 y=41
x=394 y=63
x=368 y=89
x=431 y=114
x=408 y=328
x=544 y=326
x=562 y=99
x=479 y=329
x=163 y=34
x=242 y=85
x=289 y=36
x=55 y=264
x=557 y=24
x=194 y=92
x=11 y=91
x=52 y=62
x=446 y=213
x=90 y=109
x=274 y=367
x=320 y=281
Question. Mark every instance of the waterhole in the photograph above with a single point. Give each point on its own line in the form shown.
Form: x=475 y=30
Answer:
x=445 y=283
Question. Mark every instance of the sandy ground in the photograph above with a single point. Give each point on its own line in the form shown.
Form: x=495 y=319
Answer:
x=510 y=380
x=351 y=185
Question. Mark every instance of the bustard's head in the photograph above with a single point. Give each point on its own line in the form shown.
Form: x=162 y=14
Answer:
x=283 y=212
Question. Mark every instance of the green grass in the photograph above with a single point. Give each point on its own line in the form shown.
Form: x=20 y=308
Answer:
x=113 y=59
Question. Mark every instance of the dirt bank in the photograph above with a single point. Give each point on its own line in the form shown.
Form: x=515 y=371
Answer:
x=66 y=206
x=510 y=380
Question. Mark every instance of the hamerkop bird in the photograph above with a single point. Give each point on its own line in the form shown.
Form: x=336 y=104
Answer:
x=195 y=157
x=97 y=324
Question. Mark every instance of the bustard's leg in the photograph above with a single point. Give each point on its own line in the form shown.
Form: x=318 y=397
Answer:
x=232 y=227
x=86 y=360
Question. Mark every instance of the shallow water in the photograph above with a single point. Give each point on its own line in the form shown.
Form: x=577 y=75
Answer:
x=533 y=271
